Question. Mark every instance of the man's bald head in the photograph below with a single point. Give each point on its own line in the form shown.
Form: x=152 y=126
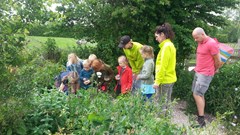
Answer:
x=199 y=34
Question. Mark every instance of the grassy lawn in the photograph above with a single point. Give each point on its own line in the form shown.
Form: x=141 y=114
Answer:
x=37 y=41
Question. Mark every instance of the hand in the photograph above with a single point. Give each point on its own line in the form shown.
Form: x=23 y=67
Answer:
x=117 y=77
x=134 y=76
x=155 y=86
x=86 y=82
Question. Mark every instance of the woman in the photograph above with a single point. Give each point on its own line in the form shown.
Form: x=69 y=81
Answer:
x=165 y=73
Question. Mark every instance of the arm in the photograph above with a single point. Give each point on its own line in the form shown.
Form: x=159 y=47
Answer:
x=217 y=62
x=139 y=62
x=129 y=83
x=81 y=75
x=146 y=71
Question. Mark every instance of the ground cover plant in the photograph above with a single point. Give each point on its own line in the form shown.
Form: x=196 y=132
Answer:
x=92 y=112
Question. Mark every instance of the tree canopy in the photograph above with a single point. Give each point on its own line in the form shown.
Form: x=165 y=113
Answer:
x=105 y=21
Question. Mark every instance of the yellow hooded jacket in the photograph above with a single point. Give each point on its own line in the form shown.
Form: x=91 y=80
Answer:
x=165 y=72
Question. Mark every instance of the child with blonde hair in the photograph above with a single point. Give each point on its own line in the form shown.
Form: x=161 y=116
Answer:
x=146 y=75
x=91 y=57
x=85 y=75
x=124 y=76
x=74 y=64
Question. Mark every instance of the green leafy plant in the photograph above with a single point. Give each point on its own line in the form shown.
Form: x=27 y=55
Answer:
x=51 y=51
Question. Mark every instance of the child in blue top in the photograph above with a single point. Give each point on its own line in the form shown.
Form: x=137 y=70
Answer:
x=146 y=75
x=85 y=75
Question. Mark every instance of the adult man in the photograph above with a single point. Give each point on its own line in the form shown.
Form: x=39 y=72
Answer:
x=132 y=52
x=207 y=63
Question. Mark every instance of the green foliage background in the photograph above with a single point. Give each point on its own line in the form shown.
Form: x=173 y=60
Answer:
x=27 y=105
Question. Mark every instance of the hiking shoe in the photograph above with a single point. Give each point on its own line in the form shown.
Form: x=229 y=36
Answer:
x=201 y=121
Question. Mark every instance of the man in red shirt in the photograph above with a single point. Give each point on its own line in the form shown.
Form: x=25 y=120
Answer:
x=207 y=63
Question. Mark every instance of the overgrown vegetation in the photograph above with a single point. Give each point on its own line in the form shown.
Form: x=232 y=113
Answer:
x=29 y=104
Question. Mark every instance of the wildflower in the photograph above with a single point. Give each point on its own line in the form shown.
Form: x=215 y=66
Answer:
x=235 y=117
x=236 y=89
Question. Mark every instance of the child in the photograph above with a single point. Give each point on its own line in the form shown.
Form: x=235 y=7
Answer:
x=74 y=64
x=124 y=76
x=85 y=75
x=146 y=75
x=91 y=57
x=103 y=75
x=69 y=80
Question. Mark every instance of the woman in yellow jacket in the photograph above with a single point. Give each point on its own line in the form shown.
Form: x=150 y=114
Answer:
x=165 y=73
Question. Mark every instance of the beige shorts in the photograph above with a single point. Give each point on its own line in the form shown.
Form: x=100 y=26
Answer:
x=200 y=84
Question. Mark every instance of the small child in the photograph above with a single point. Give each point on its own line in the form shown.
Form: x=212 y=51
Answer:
x=91 y=57
x=146 y=75
x=74 y=64
x=69 y=80
x=103 y=75
x=85 y=75
x=124 y=76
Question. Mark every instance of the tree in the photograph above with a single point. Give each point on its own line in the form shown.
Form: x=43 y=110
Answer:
x=106 y=21
x=231 y=32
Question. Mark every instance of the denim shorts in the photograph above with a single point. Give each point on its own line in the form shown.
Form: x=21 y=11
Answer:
x=200 y=84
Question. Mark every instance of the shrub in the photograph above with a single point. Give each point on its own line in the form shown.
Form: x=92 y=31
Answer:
x=224 y=90
x=51 y=51
x=92 y=112
x=16 y=93
x=182 y=88
x=50 y=112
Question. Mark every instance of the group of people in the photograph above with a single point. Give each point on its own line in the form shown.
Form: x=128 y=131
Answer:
x=135 y=71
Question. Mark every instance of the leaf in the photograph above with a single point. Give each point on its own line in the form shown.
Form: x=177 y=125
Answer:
x=9 y=132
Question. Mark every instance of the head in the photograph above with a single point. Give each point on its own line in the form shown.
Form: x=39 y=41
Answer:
x=125 y=42
x=97 y=65
x=199 y=34
x=122 y=61
x=86 y=64
x=72 y=58
x=147 y=51
x=72 y=77
x=164 y=32
x=92 y=57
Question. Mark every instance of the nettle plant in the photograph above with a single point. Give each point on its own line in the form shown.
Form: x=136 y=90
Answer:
x=93 y=112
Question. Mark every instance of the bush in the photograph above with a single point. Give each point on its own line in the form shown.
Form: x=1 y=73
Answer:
x=222 y=38
x=51 y=51
x=91 y=112
x=224 y=92
x=16 y=93
x=182 y=88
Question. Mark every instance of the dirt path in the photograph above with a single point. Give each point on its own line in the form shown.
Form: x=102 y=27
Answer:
x=181 y=119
